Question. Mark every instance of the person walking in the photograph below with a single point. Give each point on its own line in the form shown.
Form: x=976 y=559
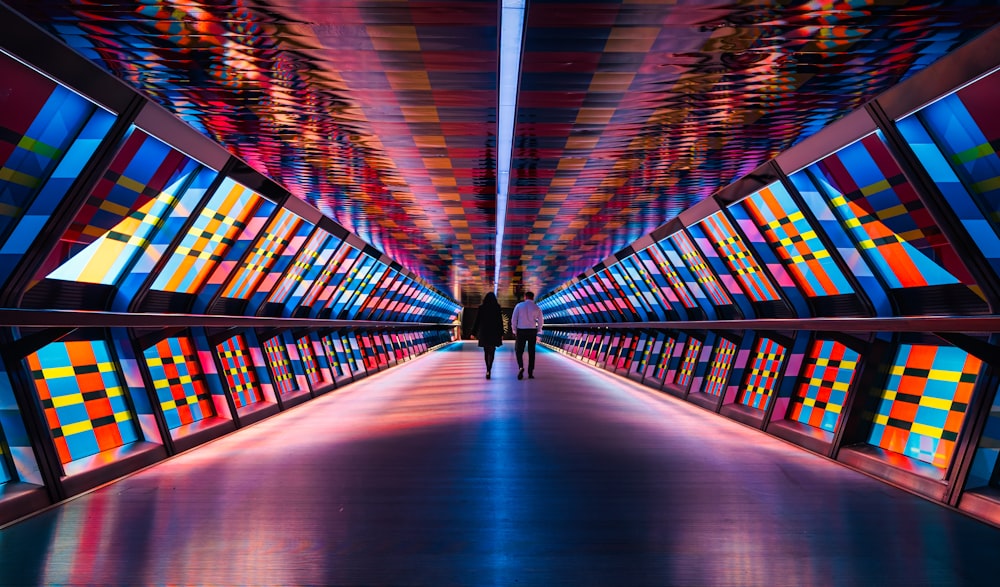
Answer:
x=488 y=328
x=526 y=322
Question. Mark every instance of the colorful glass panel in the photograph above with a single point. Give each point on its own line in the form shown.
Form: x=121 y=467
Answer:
x=881 y=210
x=309 y=364
x=281 y=365
x=82 y=397
x=826 y=379
x=238 y=371
x=738 y=258
x=699 y=267
x=924 y=402
x=177 y=378
x=276 y=237
x=218 y=224
x=722 y=364
x=765 y=368
x=796 y=242
x=686 y=371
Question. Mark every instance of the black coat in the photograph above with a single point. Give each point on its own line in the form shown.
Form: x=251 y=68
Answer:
x=488 y=326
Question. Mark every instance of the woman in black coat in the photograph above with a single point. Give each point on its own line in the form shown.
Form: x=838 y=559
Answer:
x=488 y=327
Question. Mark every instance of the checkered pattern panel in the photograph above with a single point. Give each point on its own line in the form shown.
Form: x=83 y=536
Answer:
x=308 y=359
x=237 y=370
x=82 y=398
x=686 y=371
x=177 y=378
x=663 y=361
x=281 y=367
x=661 y=267
x=765 y=368
x=336 y=355
x=881 y=210
x=738 y=258
x=218 y=224
x=956 y=139
x=269 y=246
x=826 y=379
x=796 y=242
x=924 y=402
x=699 y=267
x=722 y=364
x=127 y=203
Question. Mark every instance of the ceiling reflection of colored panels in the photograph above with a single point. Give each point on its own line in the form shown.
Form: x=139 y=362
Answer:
x=381 y=114
x=630 y=112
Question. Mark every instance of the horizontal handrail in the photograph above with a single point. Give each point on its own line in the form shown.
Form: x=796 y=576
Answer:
x=95 y=318
x=966 y=324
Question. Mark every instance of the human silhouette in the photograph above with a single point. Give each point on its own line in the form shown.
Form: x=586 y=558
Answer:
x=488 y=328
x=526 y=322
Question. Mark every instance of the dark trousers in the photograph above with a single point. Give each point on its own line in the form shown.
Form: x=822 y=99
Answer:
x=525 y=336
x=489 y=352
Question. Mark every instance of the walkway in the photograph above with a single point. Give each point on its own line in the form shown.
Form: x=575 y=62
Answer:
x=428 y=474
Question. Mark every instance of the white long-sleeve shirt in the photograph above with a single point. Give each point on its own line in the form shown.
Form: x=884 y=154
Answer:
x=526 y=315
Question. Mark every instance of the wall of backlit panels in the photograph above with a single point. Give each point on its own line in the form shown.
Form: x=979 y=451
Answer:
x=101 y=210
x=849 y=234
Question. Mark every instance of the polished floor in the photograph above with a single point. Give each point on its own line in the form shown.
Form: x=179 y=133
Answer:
x=428 y=474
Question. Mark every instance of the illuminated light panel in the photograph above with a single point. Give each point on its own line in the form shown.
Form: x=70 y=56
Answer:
x=699 y=267
x=765 y=368
x=657 y=264
x=82 y=398
x=663 y=361
x=956 y=140
x=307 y=267
x=237 y=370
x=686 y=371
x=105 y=259
x=881 y=210
x=276 y=237
x=335 y=353
x=309 y=365
x=722 y=364
x=281 y=366
x=924 y=402
x=139 y=187
x=179 y=383
x=819 y=399
x=795 y=241
x=206 y=243
x=45 y=142
x=738 y=258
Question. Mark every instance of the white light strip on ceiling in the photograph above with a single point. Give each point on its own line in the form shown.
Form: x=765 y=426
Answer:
x=511 y=31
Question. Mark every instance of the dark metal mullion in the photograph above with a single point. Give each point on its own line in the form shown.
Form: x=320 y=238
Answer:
x=824 y=238
x=936 y=204
x=71 y=203
x=168 y=251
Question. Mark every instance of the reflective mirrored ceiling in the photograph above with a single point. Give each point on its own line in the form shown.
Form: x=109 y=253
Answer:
x=383 y=114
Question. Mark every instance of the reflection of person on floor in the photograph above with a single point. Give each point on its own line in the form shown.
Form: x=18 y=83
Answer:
x=526 y=322
x=488 y=327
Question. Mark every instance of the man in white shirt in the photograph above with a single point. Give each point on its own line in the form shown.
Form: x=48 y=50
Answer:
x=526 y=322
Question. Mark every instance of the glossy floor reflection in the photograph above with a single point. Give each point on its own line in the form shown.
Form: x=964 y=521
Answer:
x=430 y=475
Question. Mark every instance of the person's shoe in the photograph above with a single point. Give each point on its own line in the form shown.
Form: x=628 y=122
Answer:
x=487 y=374
x=520 y=374
x=531 y=375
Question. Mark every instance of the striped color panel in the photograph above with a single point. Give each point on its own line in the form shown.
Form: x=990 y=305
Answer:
x=686 y=371
x=309 y=364
x=82 y=397
x=337 y=359
x=924 y=402
x=238 y=372
x=668 y=272
x=205 y=245
x=177 y=378
x=702 y=272
x=820 y=397
x=765 y=368
x=281 y=365
x=666 y=352
x=266 y=250
x=880 y=209
x=796 y=242
x=722 y=364
x=306 y=268
x=738 y=258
